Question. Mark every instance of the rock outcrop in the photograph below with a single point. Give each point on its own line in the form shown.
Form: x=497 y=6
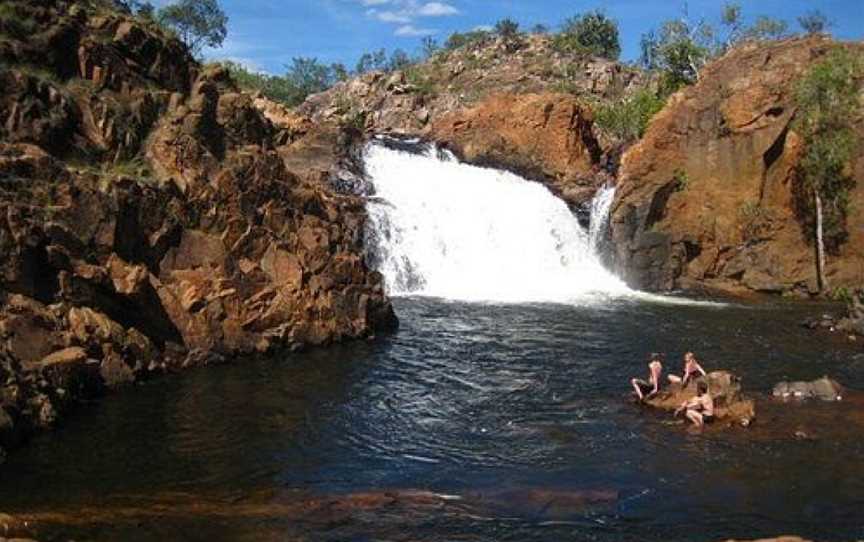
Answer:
x=522 y=109
x=824 y=389
x=707 y=197
x=545 y=137
x=731 y=406
x=152 y=218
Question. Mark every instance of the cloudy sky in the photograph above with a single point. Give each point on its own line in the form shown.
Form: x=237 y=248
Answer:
x=267 y=34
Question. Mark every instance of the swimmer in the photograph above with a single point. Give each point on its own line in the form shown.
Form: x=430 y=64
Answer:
x=652 y=386
x=691 y=369
x=700 y=409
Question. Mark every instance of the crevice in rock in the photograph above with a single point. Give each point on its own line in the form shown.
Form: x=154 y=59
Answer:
x=770 y=157
x=657 y=209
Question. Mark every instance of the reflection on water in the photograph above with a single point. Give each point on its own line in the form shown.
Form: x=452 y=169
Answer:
x=474 y=422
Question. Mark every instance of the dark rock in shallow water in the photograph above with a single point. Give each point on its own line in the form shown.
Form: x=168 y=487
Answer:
x=825 y=389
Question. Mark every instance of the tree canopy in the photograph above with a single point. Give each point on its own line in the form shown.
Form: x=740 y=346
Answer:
x=198 y=23
x=591 y=33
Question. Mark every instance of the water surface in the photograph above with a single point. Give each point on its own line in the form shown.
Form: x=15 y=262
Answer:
x=519 y=414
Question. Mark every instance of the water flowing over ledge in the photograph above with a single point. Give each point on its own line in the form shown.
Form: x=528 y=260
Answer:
x=441 y=228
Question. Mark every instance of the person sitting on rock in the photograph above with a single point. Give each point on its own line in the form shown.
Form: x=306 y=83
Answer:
x=691 y=369
x=699 y=409
x=652 y=386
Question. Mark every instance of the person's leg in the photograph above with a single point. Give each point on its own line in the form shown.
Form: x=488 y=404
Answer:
x=674 y=379
x=636 y=386
x=695 y=417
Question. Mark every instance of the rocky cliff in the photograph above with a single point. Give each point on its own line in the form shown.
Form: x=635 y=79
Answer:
x=152 y=218
x=707 y=197
x=526 y=109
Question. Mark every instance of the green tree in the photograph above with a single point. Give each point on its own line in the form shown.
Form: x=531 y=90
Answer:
x=730 y=18
x=508 y=30
x=374 y=61
x=591 y=33
x=198 y=23
x=540 y=29
x=766 y=28
x=399 y=60
x=827 y=100
x=458 y=40
x=679 y=51
x=429 y=46
x=308 y=76
x=814 y=22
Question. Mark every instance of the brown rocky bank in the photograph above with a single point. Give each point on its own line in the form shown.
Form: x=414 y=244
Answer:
x=152 y=218
x=707 y=197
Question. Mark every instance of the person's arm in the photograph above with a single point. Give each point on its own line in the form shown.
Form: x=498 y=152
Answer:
x=701 y=370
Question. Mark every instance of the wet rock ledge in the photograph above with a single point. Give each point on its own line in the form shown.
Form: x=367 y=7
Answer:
x=152 y=218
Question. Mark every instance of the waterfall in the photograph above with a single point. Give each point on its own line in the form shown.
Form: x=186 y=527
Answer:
x=599 y=225
x=441 y=228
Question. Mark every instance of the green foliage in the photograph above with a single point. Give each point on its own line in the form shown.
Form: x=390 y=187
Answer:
x=458 y=40
x=591 y=34
x=814 y=22
x=198 y=23
x=678 y=51
x=421 y=80
x=305 y=76
x=766 y=28
x=429 y=46
x=508 y=31
x=627 y=119
x=827 y=103
x=540 y=29
x=507 y=28
x=16 y=22
x=681 y=179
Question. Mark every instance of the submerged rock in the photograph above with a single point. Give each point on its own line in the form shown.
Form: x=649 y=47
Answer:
x=731 y=406
x=825 y=389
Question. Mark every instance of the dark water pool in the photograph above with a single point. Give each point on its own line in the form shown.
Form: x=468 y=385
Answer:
x=472 y=422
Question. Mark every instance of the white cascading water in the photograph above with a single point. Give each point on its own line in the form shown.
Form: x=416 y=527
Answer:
x=600 y=207
x=441 y=228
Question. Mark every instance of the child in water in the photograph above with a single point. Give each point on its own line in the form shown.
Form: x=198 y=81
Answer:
x=652 y=386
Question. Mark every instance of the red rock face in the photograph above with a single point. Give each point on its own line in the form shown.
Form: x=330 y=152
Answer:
x=707 y=197
x=543 y=136
x=148 y=221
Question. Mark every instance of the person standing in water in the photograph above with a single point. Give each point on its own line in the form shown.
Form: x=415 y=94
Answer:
x=691 y=369
x=652 y=386
x=699 y=409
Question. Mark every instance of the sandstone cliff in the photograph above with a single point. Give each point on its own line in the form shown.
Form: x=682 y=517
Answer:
x=151 y=217
x=707 y=197
x=525 y=110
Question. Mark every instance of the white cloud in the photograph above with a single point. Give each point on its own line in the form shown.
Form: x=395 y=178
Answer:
x=374 y=2
x=411 y=31
x=483 y=28
x=436 y=9
x=400 y=17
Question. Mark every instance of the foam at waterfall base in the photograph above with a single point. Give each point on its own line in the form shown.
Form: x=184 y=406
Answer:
x=441 y=228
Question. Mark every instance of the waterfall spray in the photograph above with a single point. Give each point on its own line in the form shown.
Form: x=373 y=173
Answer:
x=438 y=227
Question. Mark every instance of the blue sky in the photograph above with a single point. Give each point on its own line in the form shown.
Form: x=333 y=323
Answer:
x=267 y=34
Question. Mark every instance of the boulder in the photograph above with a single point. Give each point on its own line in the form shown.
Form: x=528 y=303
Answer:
x=824 y=389
x=731 y=406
